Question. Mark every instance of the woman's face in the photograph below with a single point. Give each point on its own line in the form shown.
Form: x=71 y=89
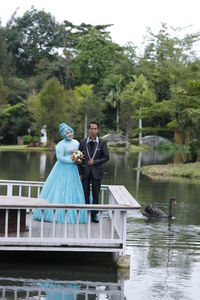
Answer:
x=69 y=135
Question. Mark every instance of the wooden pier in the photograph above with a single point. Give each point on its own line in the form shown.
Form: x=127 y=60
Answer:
x=109 y=235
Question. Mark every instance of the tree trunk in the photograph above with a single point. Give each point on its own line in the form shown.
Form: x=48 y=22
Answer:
x=67 y=58
x=85 y=125
x=126 y=140
x=117 y=119
x=182 y=149
x=139 y=162
x=51 y=144
x=140 y=132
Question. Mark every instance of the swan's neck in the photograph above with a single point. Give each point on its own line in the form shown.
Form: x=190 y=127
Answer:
x=170 y=209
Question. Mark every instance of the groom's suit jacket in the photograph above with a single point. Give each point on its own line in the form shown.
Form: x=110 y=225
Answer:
x=101 y=156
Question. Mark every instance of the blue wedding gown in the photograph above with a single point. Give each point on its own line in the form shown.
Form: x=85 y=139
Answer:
x=63 y=186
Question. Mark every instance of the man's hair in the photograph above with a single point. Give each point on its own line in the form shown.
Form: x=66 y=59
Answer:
x=93 y=122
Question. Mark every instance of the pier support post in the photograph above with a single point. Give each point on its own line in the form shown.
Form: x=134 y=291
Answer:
x=123 y=261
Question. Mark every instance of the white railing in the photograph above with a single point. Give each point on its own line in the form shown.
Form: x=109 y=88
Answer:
x=108 y=235
x=31 y=188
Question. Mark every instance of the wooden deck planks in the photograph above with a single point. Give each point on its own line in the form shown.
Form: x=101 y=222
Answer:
x=53 y=237
x=123 y=197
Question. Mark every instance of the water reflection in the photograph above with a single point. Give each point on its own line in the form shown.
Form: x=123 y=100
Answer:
x=156 y=157
x=56 y=290
x=43 y=160
x=165 y=256
x=60 y=283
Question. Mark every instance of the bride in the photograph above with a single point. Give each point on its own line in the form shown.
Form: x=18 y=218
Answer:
x=63 y=185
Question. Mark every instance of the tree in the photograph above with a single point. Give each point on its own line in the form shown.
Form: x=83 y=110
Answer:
x=185 y=107
x=18 y=90
x=127 y=111
x=94 y=58
x=83 y=105
x=166 y=59
x=83 y=93
x=5 y=58
x=49 y=107
x=3 y=93
x=30 y=38
x=143 y=97
x=14 y=121
x=35 y=109
x=114 y=85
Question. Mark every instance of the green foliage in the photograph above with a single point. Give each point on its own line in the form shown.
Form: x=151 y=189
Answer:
x=5 y=59
x=30 y=38
x=75 y=73
x=18 y=90
x=3 y=92
x=14 y=121
x=95 y=57
x=27 y=139
x=53 y=106
x=163 y=146
x=48 y=108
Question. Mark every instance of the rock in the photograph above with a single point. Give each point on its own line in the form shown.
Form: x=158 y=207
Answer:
x=114 y=139
x=154 y=140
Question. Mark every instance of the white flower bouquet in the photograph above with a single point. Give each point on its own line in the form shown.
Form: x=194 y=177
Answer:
x=78 y=157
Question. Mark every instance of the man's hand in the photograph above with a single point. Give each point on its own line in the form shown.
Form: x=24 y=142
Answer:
x=91 y=162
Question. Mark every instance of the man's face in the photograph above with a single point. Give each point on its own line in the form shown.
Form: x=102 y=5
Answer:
x=93 y=130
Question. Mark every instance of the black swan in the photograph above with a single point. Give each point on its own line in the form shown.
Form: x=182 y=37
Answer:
x=154 y=212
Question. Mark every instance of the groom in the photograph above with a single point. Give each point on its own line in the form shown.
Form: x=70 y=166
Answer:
x=91 y=171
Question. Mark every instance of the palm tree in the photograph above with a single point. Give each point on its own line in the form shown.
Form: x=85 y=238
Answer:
x=114 y=87
x=143 y=96
x=83 y=94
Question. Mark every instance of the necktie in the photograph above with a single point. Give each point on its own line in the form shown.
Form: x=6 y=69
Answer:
x=92 y=148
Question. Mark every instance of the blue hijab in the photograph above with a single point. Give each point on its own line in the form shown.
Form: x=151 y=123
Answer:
x=63 y=128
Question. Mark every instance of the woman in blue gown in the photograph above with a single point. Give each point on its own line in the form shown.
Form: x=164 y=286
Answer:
x=63 y=185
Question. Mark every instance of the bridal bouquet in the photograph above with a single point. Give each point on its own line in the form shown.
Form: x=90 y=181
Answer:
x=78 y=157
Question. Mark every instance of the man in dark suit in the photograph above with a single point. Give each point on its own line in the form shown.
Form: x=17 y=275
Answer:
x=91 y=171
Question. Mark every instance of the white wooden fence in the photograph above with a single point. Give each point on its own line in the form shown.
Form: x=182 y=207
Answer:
x=109 y=235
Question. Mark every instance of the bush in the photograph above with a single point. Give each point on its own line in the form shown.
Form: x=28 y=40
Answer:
x=168 y=146
x=28 y=139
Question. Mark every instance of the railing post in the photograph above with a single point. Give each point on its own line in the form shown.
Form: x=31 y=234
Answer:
x=65 y=228
x=6 y=224
x=9 y=189
x=54 y=223
x=89 y=224
x=38 y=192
x=102 y=196
x=77 y=223
x=20 y=190
x=30 y=222
x=124 y=214
x=112 y=224
x=18 y=222
x=42 y=223
x=100 y=224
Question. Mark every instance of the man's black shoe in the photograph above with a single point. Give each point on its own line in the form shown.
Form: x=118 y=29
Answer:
x=94 y=219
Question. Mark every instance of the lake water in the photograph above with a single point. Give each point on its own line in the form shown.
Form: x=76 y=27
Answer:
x=165 y=256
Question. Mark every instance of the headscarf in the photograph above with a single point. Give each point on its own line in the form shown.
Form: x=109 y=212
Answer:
x=63 y=128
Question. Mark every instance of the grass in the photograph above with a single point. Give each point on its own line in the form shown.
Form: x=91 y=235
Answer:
x=132 y=148
x=22 y=148
x=190 y=170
